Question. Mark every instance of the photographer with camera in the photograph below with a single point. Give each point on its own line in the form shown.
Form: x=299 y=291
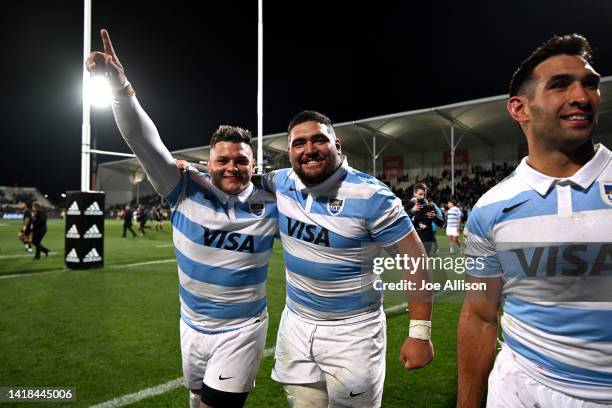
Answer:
x=423 y=215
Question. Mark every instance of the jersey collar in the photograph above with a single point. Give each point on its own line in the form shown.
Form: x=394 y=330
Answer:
x=222 y=196
x=329 y=183
x=582 y=178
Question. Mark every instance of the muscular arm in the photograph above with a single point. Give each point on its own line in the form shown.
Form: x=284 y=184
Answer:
x=142 y=137
x=415 y=353
x=476 y=338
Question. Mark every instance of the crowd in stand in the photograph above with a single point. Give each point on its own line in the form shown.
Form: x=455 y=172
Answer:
x=11 y=205
x=469 y=185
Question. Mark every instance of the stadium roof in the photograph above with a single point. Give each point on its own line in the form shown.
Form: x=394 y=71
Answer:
x=475 y=123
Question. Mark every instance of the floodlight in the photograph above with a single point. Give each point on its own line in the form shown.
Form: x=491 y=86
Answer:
x=99 y=91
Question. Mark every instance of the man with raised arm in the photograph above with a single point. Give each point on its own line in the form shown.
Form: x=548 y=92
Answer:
x=543 y=236
x=223 y=232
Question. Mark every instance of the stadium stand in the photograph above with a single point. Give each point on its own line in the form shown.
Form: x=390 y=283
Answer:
x=10 y=197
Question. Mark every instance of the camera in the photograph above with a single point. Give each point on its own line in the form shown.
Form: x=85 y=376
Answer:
x=426 y=207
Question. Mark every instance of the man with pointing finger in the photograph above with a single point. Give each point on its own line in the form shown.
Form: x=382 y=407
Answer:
x=223 y=232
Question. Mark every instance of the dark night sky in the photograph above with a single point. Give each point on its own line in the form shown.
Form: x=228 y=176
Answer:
x=193 y=70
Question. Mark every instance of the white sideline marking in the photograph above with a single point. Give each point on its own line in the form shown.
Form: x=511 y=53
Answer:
x=164 y=246
x=30 y=254
x=176 y=383
x=22 y=275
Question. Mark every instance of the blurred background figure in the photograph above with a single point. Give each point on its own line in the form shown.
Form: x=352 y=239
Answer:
x=128 y=215
x=39 y=229
x=25 y=233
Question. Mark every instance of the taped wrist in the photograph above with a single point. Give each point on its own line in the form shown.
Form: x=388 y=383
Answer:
x=420 y=329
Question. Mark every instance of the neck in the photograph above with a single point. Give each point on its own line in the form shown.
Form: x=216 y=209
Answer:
x=557 y=162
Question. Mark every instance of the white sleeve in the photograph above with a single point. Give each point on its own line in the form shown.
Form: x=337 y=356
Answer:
x=142 y=137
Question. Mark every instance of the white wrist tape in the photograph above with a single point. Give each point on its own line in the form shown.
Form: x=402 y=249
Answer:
x=420 y=329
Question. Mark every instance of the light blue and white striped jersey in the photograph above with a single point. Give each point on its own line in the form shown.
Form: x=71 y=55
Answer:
x=331 y=232
x=453 y=217
x=223 y=244
x=549 y=241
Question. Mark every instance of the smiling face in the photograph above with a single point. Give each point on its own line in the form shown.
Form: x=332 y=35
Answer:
x=231 y=166
x=314 y=151
x=561 y=107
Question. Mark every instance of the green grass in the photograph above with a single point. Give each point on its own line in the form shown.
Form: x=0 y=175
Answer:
x=114 y=331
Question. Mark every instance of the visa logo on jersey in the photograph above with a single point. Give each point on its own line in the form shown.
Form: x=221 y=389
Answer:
x=307 y=232
x=232 y=241
x=567 y=260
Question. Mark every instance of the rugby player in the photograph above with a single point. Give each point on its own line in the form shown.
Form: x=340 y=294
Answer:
x=334 y=220
x=453 y=225
x=224 y=229
x=557 y=339
x=25 y=232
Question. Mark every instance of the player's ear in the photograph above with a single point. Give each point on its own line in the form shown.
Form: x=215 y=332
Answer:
x=338 y=145
x=518 y=109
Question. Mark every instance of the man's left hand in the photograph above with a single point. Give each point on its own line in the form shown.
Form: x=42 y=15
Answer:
x=416 y=353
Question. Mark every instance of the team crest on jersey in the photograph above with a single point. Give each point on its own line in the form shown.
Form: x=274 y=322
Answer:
x=335 y=205
x=605 y=189
x=258 y=209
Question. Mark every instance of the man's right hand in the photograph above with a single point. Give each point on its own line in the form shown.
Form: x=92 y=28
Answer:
x=183 y=165
x=107 y=63
x=416 y=208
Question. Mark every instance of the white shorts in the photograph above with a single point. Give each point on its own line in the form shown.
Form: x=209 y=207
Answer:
x=225 y=361
x=349 y=358
x=452 y=231
x=510 y=387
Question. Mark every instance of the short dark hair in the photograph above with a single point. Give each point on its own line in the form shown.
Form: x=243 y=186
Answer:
x=570 y=44
x=308 y=115
x=419 y=186
x=234 y=134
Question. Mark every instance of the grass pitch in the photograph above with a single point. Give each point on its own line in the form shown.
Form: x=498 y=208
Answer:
x=114 y=331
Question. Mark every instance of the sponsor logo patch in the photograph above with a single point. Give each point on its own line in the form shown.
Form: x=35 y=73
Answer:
x=335 y=205
x=258 y=209
x=605 y=189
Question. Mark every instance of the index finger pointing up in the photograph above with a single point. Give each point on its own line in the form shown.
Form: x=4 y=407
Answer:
x=108 y=46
